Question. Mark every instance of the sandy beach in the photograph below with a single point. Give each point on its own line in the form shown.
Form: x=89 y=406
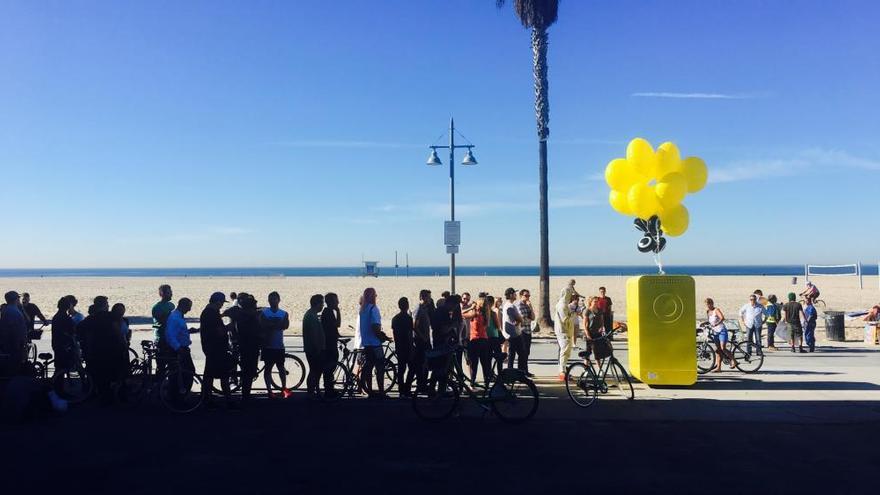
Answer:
x=139 y=293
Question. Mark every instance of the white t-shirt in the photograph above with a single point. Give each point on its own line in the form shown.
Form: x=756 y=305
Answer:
x=509 y=314
x=369 y=316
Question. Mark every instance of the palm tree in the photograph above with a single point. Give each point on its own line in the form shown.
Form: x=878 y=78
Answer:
x=538 y=15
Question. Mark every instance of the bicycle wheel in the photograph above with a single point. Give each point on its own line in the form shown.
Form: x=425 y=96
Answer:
x=580 y=383
x=705 y=357
x=181 y=391
x=133 y=356
x=619 y=380
x=136 y=384
x=74 y=386
x=390 y=375
x=436 y=406
x=294 y=372
x=514 y=398
x=343 y=384
x=747 y=362
x=234 y=381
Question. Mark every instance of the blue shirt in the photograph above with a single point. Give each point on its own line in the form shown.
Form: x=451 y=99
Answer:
x=810 y=313
x=176 y=331
x=369 y=316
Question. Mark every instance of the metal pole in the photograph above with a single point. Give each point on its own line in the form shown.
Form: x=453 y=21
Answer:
x=452 y=198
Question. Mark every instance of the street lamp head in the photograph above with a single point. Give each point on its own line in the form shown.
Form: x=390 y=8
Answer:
x=434 y=160
x=469 y=158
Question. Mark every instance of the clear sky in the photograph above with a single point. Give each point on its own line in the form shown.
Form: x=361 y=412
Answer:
x=294 y=133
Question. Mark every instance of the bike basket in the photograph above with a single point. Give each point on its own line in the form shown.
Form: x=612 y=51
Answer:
x=35 y=334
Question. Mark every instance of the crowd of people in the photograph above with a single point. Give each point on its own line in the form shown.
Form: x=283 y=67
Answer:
x=236 y=333
x=761 y=311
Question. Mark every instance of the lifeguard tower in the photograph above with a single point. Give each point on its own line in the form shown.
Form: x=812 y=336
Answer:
x=370 y=269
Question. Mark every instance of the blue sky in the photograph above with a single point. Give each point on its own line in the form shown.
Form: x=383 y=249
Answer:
x=151 y=134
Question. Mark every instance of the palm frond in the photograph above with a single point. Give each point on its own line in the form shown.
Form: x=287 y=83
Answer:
x=539 y=14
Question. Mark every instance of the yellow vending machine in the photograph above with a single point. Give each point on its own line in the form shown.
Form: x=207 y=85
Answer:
x=661 y=316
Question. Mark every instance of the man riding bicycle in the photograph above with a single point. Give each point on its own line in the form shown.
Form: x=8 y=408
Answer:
x=811 y=292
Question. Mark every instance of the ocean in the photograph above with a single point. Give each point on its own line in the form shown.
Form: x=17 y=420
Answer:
x=420 y=271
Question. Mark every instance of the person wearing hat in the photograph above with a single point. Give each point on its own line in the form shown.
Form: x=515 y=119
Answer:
x=215 y=346
x=13 y=332
x=563 y=326
x=793 y=313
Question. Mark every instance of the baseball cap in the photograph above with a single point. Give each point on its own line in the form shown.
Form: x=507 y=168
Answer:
x=218 y=297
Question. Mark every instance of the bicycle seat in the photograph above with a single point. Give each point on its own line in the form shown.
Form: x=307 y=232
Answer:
x=584 y=354
x=45 y=356
x=146 y=344
x=345 y=340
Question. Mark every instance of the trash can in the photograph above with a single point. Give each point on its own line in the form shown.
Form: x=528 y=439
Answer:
x=834 y=328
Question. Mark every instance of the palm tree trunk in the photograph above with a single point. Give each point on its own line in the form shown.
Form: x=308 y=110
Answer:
x=542 y=117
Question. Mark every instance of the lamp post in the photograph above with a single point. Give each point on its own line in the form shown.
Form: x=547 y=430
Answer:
x=434 y=160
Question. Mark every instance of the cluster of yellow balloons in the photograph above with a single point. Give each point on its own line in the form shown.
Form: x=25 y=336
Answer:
x=648 y=183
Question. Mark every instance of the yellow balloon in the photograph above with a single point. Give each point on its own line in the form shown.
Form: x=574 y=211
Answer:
x=619 y=202
x=619 y=175
x=668 y=159
x=671 y=189
x=695 y=172
x=643 y=201
x=641 y=157
x=674 y=221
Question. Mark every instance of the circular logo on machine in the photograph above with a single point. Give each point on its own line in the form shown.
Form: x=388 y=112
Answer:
x=668 y=308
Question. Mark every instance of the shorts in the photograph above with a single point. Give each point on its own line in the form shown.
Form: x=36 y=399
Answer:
x=721 y=337
x=796 y=330
x=273 y=356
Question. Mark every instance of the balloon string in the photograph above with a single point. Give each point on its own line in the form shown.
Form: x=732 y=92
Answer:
x=657 y=260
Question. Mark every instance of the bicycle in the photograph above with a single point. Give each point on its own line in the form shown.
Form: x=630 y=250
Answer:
x=584 y=382
x=510 y=394
x=746 y=362
x=353 y=359
x=179 y=390
x=294 y=371
x=818 y=303
x=73 y=385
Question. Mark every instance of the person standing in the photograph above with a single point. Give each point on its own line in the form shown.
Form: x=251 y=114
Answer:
x=160 y=312
x=331 y=320
x=810 y=317
x=421 y=342
x=772 y=315
x=751 y=315
x=314 y=344
x=564 y=327
x=249 y=337
x=793 y=313
x=871 y=319
x=31 y=312
x=512 y=324
x=493 y=332
x=122 y=323
x=603 y=303
x=274 y=321
x=467 y=305
x=64 y=345
x=177 y=336
x=215 y=346
x=13 y=333
x=370 y=330
x=527 y=312
x=478 y=342
x=402 y=327
x=106 y=351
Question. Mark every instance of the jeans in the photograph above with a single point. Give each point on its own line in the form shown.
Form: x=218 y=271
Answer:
x=417 y=368
x=248 y=357
x=374 y=358
x=331 y=359
x=810 y=335
x=754 y=337
x=478 y=355
x=515 y=352
x=771 y=333
x=404 y=359
x=316 y=368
